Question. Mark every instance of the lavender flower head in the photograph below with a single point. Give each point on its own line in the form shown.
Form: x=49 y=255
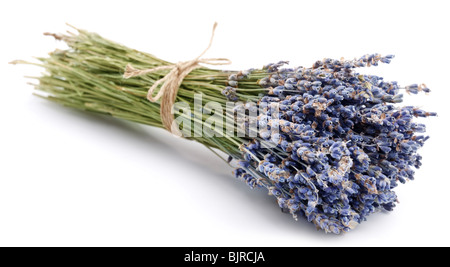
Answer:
x=342 y=145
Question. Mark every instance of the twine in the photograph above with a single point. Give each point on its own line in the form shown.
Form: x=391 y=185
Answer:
x=171 y=82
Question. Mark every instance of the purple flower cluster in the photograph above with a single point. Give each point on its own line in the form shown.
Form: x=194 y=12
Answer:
x=342 y=145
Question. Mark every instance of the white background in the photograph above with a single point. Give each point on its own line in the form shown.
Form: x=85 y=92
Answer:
x=68 y=178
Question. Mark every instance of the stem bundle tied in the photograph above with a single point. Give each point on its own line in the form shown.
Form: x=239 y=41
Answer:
x=172 y=81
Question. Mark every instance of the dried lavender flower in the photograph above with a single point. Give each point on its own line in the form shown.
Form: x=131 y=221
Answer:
x=340 y=142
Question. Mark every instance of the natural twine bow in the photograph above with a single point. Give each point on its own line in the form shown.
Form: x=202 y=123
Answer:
x=172 y=81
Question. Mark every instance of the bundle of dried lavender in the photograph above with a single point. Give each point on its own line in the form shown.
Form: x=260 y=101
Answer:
x=327 y=142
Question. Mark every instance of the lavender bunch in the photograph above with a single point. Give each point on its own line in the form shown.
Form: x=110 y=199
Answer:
x=326 y=142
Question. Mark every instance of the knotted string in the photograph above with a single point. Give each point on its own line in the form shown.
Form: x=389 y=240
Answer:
x=171 y=82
